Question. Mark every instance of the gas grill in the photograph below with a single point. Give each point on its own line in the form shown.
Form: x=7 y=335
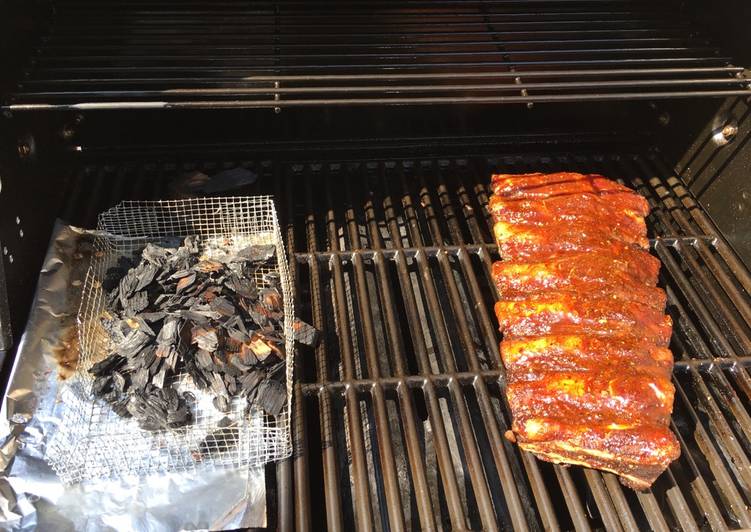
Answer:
x=376 y=126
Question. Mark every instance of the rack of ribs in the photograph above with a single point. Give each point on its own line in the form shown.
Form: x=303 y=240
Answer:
x=585 y=334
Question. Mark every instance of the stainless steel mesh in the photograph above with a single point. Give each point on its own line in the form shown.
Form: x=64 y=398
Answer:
x=94 y=442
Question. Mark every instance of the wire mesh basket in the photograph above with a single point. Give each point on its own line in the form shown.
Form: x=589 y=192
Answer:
x=94 y=442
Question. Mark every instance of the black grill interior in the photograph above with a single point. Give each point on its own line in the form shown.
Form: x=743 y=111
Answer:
x=400 y=411
x=363 y=120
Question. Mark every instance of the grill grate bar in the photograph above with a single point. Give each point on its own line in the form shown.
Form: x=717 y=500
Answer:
x=330 y=460
x=483 y=250
x=182 y=49
x=383 y=3
x=510 y=36
x=603 y=499
x=315 y=69
x=625 y=515
x=392 y=76
x=421 y=29
x=652 y=511
x=301 y=464
x=443 y=380
x=571 y=495
x=315 y=17
x=239 y=91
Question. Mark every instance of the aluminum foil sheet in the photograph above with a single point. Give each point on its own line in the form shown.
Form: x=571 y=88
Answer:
x=31 y=496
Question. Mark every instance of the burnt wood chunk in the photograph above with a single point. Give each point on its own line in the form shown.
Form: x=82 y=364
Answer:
x=304 y=333
x=271 y=396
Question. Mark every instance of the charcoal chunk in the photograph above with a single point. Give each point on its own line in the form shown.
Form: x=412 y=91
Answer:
x=171 y=399
x=204 y=360
x=185 y=282
x=171 y=361
x=208 y=266
x=258 y=315
x=230 y=373
x=221 y=403
x=108 y=365
x=230 y=382
x=278 y=371
x=224 y=439
x=273 y=280
x=110 y=397
x=250 y=381
x=145 y=274
x=202 y=310
x=180 y=417
x=170 y=330
x=271 y=300
x=156 y=366
x=217 y=384
x=120 y=407
x=138 y=322
x=140 y=379
x=190 y=244
x=156 y=255
x=157 y=409
x=112 y=298
x=127 y=286
x=136 y=303
x=118 y=382
x=146 y=357
x=271 y=396
x=205 y=339
x=255 y=253
x=158 y=379
x=152 y=317
x=222 y=306
x=304 y=333
x=243 y=286
x=133 y=343
x=102 y=385
x=198 y=376
x=245 y=358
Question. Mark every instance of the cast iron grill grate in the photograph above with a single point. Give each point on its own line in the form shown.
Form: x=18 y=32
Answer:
x=277 y=54
x=399 y=413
